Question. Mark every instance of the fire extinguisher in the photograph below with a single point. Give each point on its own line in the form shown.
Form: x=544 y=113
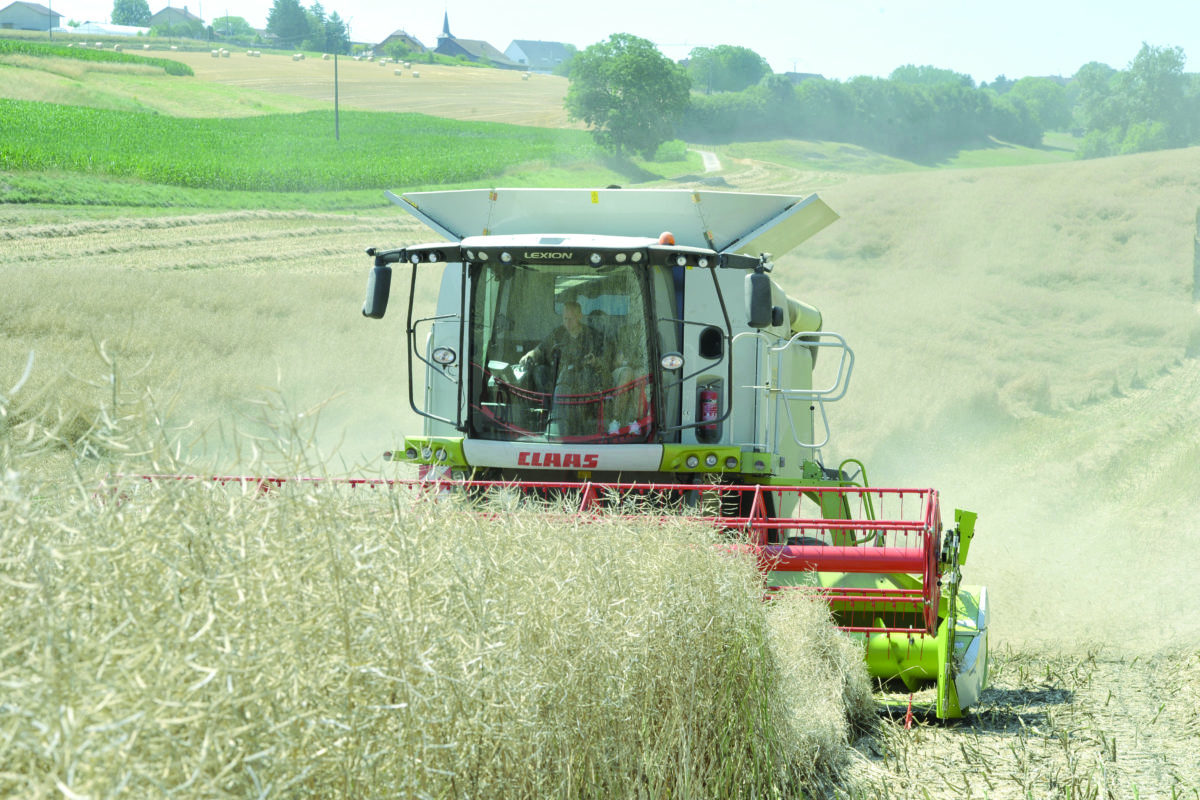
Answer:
x=710 y=409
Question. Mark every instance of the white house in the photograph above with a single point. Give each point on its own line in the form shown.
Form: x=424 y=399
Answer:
x=542 y=56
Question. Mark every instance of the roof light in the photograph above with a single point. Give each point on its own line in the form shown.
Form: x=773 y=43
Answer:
x=506 y=257
x=440 y=455
x=680 y=259
x=620 y=258
x=595 y=258
x=672 y=361
x=483 y=256
x=434 y=256
x=731 y=462
x=410 y=453
x=445 y=355
x=415 y=258
x=702 y=261
x=710 y=460
x=470 y=255
x=692 y=462
x=666 y=237
x=426 y=452
x=636 y=256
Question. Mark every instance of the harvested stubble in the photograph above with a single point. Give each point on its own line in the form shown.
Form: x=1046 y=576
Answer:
x=197 y=640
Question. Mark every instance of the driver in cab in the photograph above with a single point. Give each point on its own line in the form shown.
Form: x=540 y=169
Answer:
x=572 y=347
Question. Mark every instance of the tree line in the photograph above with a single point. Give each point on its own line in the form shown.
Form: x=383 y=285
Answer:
x=634 y=99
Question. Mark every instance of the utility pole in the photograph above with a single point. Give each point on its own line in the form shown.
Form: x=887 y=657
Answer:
x=1196 y=261
x=337 y=126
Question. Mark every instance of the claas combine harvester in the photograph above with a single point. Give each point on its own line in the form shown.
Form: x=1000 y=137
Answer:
x=612 y=345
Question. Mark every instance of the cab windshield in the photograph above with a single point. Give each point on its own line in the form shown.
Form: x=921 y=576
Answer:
x=560 y=354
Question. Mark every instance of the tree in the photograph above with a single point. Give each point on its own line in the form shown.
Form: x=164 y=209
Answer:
x=1152 y=89
x=1097 y=106
x=131 y=12
x=289 y=22
x=630 y=94
x=337 y=38
x=232 y=28
x=725 y=68
x=930 y=76
x=1000 y=85
x=1046 y=100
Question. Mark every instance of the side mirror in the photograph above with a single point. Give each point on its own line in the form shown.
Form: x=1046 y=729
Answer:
x=759 y=310
x=379 y=287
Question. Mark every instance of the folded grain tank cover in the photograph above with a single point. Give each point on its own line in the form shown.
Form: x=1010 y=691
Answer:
x=732 y=222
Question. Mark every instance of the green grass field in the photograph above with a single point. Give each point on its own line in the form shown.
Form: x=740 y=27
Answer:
x=1026 y=334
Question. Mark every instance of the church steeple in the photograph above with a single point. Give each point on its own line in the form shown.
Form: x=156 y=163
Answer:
x=446 y=26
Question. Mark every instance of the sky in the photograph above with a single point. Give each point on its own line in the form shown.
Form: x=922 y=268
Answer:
x=835 y=38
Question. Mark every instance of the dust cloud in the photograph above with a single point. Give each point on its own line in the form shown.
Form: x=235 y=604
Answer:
x=1089 y=533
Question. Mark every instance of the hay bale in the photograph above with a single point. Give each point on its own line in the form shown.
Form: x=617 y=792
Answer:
x=524 y=76
x=145 y=47
x=324 y=56
x=397 y=72
x=224 y=53
x=116 y=48
x=216 y=53
x=416 y=74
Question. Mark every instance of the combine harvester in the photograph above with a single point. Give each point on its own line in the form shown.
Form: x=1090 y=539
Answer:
x=628 y=348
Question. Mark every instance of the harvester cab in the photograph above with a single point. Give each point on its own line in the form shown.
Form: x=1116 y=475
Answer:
x=623 y=341
x=625 y=334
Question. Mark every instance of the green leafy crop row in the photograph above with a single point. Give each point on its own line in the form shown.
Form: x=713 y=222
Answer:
x=287 y=152
x=42 y=49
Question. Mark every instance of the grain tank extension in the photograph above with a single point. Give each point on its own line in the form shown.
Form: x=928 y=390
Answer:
x=617 y=342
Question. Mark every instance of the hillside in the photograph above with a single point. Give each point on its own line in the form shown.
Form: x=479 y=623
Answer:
x=273 y=83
